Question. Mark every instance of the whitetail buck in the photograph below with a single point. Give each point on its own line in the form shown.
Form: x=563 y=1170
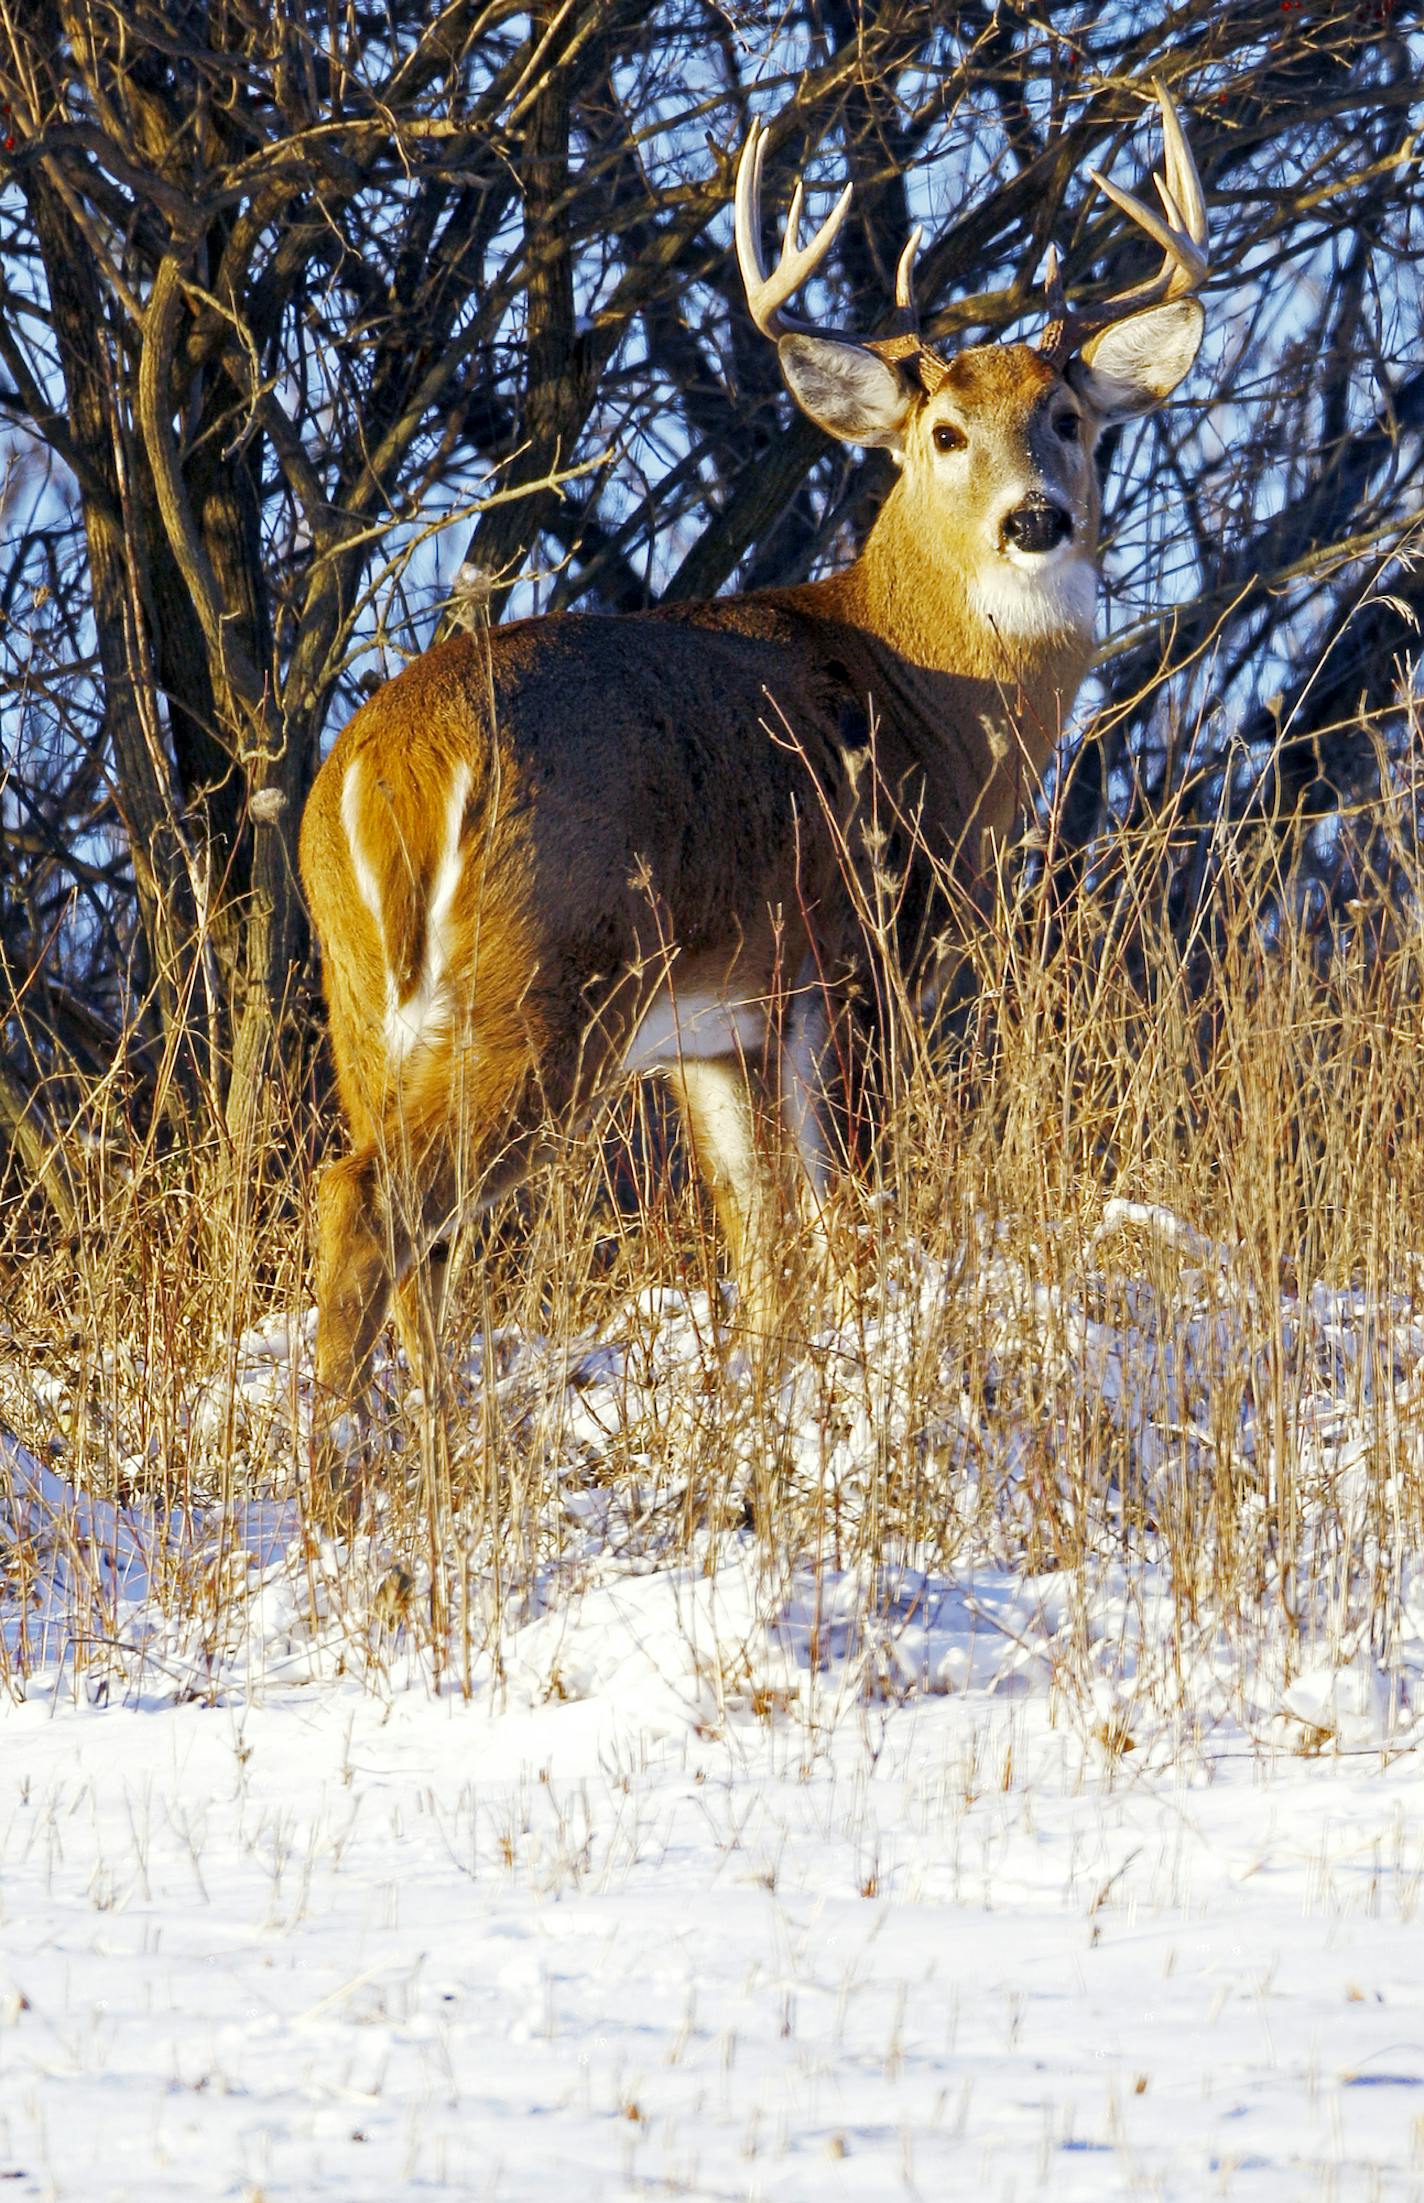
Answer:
x=577 y=847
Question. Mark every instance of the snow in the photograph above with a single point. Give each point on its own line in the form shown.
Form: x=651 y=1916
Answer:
x=691 y=1862
x=330 y=1947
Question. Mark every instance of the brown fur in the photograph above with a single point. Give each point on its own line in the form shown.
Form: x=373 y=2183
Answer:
x=659 y=798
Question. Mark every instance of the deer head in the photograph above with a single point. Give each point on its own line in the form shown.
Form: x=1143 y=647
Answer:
x=995 y=443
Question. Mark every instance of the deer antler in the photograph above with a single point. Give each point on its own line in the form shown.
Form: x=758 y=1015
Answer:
x=767 y=294
x=1182 y=235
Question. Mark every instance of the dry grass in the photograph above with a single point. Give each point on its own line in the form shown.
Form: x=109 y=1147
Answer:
x=1132 y=1265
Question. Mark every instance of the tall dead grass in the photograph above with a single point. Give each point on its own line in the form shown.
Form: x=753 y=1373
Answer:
x=1132 y=1230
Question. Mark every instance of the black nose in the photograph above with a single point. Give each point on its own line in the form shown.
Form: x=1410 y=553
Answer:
x=1036 y=525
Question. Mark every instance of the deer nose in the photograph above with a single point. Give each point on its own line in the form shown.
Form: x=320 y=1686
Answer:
x=1038 y=524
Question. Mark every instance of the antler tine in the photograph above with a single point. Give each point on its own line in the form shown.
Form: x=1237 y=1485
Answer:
x=901 y=344
x=1185 y=183
x=905 y=277
x=1183 y=237
x=767 y=294
x=1184 y=264
x=1053 y=285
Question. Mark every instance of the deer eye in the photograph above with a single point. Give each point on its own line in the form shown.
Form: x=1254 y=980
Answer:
x=949 y=438
x=1066 y=426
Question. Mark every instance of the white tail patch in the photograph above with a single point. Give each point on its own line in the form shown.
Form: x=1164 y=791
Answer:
x=368 y=887
x=425 y=1012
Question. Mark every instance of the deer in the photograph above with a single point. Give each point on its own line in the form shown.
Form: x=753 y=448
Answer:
x=573 y=849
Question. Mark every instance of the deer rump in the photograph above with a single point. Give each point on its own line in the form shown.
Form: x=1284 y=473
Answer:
x=536 y=885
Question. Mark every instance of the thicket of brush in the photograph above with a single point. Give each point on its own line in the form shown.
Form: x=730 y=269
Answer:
x=1068 y=1319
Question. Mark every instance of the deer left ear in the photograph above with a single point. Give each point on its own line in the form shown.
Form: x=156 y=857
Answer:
x=1131 y=366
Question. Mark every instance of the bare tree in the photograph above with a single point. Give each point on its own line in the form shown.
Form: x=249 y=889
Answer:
x=300 y=312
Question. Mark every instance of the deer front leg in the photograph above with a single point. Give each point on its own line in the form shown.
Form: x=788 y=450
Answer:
x=736 y=1143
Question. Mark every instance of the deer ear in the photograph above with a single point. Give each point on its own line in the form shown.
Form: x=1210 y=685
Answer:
x=846 y=390
x=1131 y=366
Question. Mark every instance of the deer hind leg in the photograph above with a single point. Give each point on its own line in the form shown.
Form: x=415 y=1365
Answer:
x=443 y=1156
x=354 y=1272
x=381 y=1215
x=359 y=1254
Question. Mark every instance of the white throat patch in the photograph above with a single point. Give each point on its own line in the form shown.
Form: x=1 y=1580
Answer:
x=1037 y=595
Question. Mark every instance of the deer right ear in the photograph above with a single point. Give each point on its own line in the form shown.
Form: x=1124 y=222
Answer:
x=846 y=390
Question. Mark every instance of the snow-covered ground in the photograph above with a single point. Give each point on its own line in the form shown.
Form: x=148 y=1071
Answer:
x=335 y=1948
x=713 y=1872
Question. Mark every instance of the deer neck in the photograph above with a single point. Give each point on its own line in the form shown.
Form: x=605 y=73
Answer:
x=969 y=650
